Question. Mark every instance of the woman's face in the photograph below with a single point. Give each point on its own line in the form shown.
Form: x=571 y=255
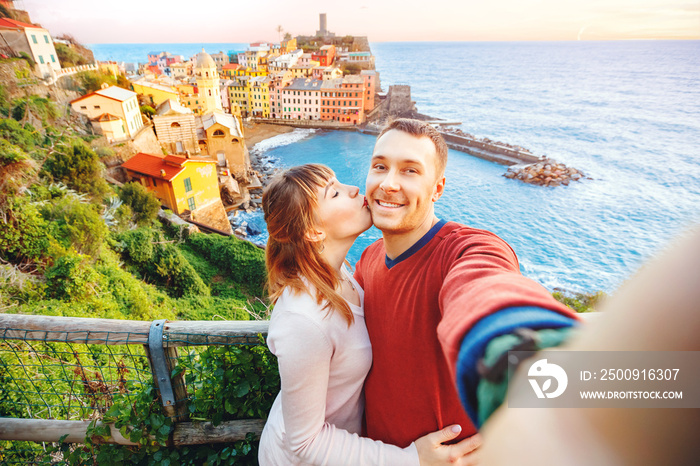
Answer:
x=342 y=211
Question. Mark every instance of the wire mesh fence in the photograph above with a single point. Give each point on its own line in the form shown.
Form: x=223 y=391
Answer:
x=66 y=369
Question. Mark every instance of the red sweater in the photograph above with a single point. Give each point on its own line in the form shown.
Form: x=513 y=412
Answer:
x=417 y=313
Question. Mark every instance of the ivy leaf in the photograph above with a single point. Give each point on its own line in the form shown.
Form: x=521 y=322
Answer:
x=242 y=388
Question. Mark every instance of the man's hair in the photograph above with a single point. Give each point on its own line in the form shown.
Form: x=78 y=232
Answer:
x=419 y=129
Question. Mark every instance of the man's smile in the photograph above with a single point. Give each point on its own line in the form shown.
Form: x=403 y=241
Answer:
x=391 y=205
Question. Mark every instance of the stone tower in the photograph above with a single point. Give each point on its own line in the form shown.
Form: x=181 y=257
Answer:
x=207 y=83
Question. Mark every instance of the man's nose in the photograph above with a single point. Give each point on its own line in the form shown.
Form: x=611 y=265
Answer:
x=390 y=182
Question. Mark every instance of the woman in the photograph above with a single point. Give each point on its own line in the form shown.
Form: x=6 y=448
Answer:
x=317 y=330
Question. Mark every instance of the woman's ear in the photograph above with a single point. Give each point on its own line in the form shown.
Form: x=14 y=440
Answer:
x=315 y=236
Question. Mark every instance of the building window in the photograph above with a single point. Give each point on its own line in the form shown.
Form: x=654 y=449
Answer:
x=188 y=187
x=34 y=39
x=218 y=133
x=175 y=124
x=97 y=107
x=190 y=204
x=53 y=59
x=46 y=38
x=83 y=107
x=41 y=59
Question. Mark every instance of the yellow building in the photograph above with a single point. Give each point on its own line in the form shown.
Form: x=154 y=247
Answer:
x=155 y=93
x=239 y=96
x=260 y=97
x=113 y=112
x=207 y=83
x=182 y=184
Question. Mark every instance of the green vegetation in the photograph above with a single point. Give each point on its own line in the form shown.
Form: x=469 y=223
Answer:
x=143 y=204
x=72 y=245
x=148 y=111
x=580 y=302
x=68 y=57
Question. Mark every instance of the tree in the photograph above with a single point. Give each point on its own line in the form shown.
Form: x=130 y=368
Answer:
x=144 y=204
x=287 y=36
x=148 y=111
x=279 y=32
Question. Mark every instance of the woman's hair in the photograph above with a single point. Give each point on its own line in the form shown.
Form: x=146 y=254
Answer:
x=290 y=203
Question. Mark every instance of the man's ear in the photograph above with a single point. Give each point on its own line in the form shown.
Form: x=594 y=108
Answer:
x=315 y=236
x=439 y=188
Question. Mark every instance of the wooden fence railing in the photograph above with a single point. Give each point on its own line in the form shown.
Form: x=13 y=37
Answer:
x=63 y=388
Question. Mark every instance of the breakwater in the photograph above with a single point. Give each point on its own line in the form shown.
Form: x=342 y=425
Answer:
x=523 y=164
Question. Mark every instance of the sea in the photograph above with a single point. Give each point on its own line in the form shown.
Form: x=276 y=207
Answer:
x=626 y=113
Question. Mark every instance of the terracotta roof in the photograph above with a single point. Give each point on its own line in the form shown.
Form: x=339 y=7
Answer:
x=11 y=23
x=151 y=165
x=175 y=160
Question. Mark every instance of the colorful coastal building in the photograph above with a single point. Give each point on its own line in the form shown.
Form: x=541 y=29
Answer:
x=371 y=82
x=113 y=112
x=221 y=60
x=221 y=136
x=207 y=78
x=301 y=99
x=259 y=96
x=325 y=55
x=176 y=129
x=342 y=100
x=239 y=95
x=35 y=41
x=181 y=70
x=229 y=71
x=154 y=93
x=185 y=185
x=278 y=81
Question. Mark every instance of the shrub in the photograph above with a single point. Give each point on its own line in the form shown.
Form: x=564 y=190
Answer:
x=40 y=106
x=9 y=153
x=170 y=268
x=162 y=263
x=148 y=110
x=139 y=244
x=144 y=204
x=71 y=278
x=244 y=261
x=79 y=167
x=24 y=136
x=29 y=59
x=24 y=236
x=76 y=224
x=90 y=81
x=69 y=57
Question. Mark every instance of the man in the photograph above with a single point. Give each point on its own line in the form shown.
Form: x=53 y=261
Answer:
x=428 y=283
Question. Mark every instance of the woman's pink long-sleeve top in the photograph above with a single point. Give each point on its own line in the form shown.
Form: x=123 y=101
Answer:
x=317 y=416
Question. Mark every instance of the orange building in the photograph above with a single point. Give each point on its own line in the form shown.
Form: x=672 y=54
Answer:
x=325 y=55
x=342 y=99
x=371 y=81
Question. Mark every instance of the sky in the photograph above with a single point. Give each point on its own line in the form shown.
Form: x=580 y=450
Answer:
x=234 y=21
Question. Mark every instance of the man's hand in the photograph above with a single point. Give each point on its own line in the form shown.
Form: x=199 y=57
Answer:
x=432 y=451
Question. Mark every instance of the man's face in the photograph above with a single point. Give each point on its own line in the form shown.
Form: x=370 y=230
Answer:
x=403 y=182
